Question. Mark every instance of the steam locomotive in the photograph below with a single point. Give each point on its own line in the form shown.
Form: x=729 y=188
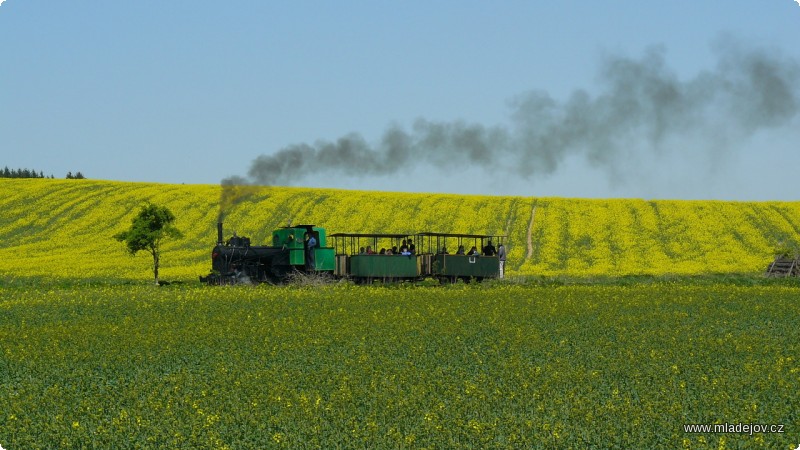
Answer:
x=354 y=256
x=237 y=261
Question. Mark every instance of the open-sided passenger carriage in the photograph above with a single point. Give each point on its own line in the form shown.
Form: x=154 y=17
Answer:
x=448 y=266
x=427 y=261
x=365 y=268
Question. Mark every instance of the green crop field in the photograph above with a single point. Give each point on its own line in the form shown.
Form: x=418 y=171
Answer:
x=623 y=321
x=497 y=366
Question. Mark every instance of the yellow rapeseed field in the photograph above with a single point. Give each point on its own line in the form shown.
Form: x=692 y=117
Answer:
x=64 y=228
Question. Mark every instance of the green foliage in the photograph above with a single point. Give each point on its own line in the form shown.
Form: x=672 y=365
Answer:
x=21 y=173
x=148 y=229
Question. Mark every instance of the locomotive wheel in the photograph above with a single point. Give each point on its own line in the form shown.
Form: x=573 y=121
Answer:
x=277 y=275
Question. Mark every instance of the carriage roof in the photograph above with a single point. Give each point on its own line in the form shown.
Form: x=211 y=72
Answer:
x=372 y=235
x=461 y=235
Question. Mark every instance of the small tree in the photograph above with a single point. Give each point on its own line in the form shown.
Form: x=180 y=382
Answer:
x=148 y=229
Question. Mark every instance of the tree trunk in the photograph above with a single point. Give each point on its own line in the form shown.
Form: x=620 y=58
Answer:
x=155 y=265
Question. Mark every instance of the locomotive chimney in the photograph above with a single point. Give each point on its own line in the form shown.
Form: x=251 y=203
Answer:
x=219 y=233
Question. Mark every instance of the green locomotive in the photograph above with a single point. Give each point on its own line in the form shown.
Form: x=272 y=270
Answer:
x=237 y=261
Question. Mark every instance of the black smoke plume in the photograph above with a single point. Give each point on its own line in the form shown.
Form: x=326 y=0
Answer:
x=641 y=102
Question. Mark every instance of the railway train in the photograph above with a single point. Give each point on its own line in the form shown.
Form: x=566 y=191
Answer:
x=353 y=256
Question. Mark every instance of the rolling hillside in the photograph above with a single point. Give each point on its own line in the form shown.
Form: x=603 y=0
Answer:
x=64 y=228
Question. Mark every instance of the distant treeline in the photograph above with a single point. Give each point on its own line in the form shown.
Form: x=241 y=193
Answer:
x=28 y=173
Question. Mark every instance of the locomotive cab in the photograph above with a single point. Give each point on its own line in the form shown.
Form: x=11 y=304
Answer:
x=293 y=240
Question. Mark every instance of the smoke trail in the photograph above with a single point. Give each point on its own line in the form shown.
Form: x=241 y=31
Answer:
x=641 y=104
x=234 y=190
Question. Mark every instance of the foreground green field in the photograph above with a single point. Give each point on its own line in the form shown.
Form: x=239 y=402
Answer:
x=500 y=366
x=64 y=228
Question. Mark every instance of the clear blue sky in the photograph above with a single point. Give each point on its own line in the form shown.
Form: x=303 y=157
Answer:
x=194 y=91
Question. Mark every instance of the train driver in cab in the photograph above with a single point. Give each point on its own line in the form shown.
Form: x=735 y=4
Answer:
x=311 y=242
